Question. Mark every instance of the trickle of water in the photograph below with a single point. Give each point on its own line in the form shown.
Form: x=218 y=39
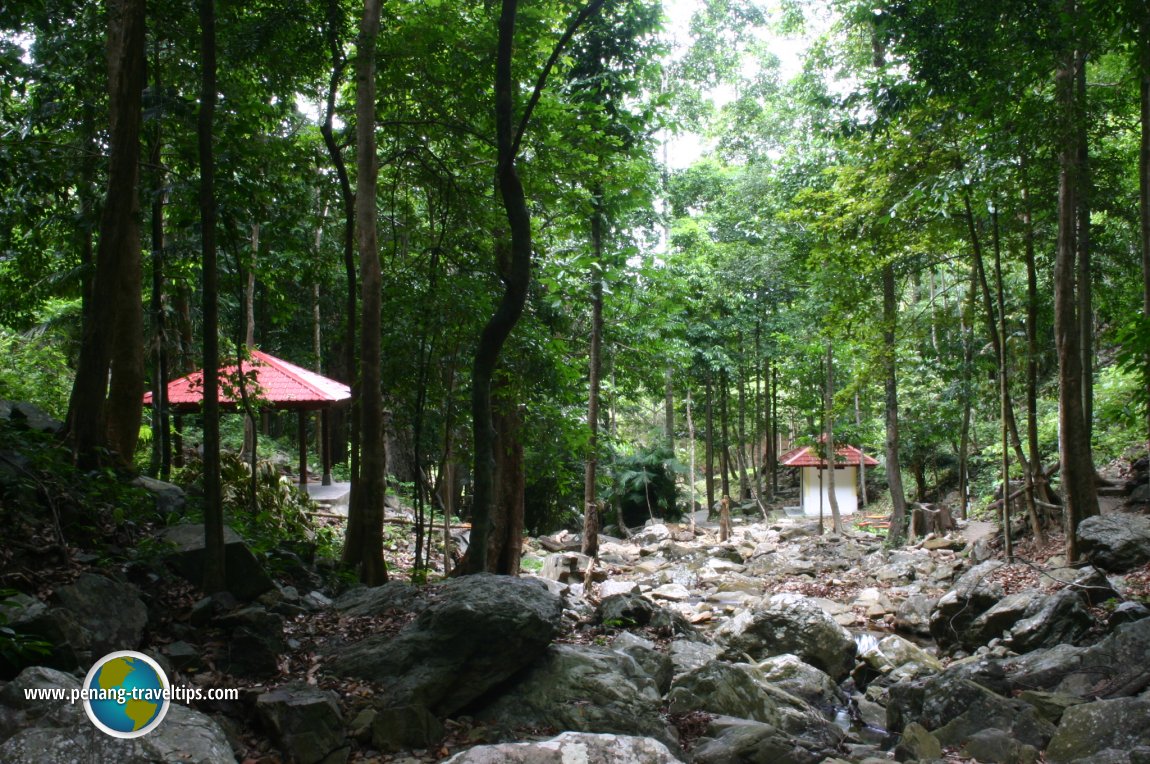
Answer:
x=866 y=642
x=843 y=719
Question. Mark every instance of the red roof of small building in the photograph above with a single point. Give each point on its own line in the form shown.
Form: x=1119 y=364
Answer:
x=806 y=456
x=284 y=385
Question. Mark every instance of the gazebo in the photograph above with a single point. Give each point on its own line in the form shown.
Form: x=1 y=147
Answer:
x=272 y=382
x=813 y=493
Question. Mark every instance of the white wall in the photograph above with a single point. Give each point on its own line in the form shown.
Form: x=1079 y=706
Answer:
x=846 y=491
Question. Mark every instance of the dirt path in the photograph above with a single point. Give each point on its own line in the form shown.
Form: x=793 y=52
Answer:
x=977 y=529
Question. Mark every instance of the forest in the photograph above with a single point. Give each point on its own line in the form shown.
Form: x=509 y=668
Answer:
x=606 y=248
x=578 y=284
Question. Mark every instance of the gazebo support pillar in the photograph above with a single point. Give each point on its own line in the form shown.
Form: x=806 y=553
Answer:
x=303 y=450
x=325 y=443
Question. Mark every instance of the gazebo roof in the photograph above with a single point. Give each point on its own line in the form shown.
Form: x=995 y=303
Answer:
x=806 y=456
x=284 y=385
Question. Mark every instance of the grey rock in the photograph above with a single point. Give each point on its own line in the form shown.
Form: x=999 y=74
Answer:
x=569 y=568
x=900 y=659
x=973 y=594
x=478 y=632
x=246 y=578
x=726 y=689
x=61 y=733
x=169 y=499
x=255 y=642
x=111 y=614
x=997 y=747
x=394 y=728
x=305 y=722
x=742 y=741
x=657 y=664
x=1090 y=728
x=1056 y=619
x=378 y=600
x=1115 y=542
x=802 y=680
x=585 y=689
x=30 y=416
x=687 y=655
x=625 y=611
x=917 y=744
x=1116 y=666
x=954 y=708
x=790 y=624
x=570 y=748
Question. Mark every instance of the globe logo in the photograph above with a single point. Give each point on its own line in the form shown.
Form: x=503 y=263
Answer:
x=126 y=694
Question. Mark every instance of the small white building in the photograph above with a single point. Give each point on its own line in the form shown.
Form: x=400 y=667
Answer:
x=814 y=487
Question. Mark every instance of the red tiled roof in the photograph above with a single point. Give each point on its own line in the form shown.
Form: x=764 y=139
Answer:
x=282 y=384
x=806 y=456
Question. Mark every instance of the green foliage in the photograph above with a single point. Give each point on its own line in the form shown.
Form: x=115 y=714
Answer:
x=281 y=512
x=643 y=480
x=34 y=366
x=1119 y=412
x=17 y=648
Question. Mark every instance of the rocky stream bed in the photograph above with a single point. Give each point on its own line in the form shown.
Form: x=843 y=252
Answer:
x=778 y=645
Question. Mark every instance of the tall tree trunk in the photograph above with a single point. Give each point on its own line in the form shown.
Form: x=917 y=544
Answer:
x=691 y=456
x=161 y=440
x=590 y=497
x=1085 y=276
x=893 y=470
x=507 y=314
x=505 y=544
x=741 y=446
x=1144 y=187
x=1074 y=449
x=101 y=413
x=349 y=417
x=1035 y=477
x=724 y=436
x=249 y=447
x=967 y=394
x=215 y=575
x=829 y=431
x=774 y=460
x=992 y=328
x=710 y=450
x=669 y=435
x=373 y=465
x=1003 y=393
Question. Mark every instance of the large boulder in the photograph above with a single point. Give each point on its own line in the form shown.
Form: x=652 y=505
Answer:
x=900 y=659
x=246 y=578
x=478 y=632
x=60 y=733
x=81 y=622
x=255 y=642
x=788 y=623
x=1089 y=729
x=305 y=722
x=1056 y=619
x=1115 y=542
x=742 y=741
x=169 y=499
x=802 y=680
x=379 y=600
x=1114 y=667
x=954 y=708
x=569 y=748
x=110 y=613
x=973 y=594
x=725 y=689
x=583 y=688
